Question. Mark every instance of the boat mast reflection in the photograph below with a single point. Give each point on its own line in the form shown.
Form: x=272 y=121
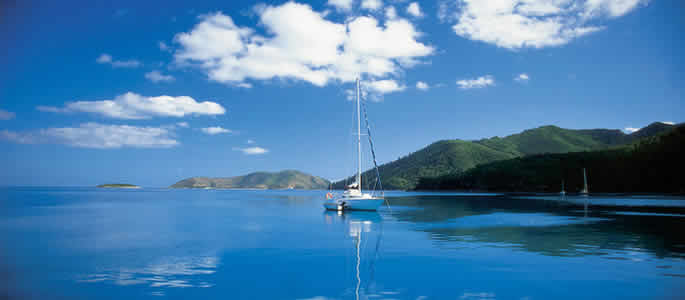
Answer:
x=361 y=227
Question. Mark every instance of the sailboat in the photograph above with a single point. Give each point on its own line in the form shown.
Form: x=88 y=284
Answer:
x=584 y=191
x=353 y=198
x=563 y=192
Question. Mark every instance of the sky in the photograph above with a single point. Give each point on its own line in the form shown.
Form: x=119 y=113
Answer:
x=151 y=93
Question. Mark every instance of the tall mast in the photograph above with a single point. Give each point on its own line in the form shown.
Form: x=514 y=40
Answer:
x=359 y=143
x=584 y=181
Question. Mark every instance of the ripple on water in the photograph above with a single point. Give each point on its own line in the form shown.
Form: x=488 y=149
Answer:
x=503 y=219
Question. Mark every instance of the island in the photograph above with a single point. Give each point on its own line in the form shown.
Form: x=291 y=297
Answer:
x=118 y=186
x=288 y=179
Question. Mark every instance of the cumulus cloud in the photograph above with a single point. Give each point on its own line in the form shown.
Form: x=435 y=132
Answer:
x=6 y=115
x=183 y=124
x=343 y=5
x=95 y=135
x=390 y=12
x=372 y=4
x=134 y=106
x=107 y=59
x=631 y=129
x=422 y=86
x=252 y=150
x=515 y=24
x=340 y=52
x=156 y=76
x=523 y=77
x=414 y=9
x=383 y=86
x=476 y=83
x=215 y=130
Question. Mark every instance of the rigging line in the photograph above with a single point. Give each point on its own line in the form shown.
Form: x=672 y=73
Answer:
x=373 y=154
x=350 y=143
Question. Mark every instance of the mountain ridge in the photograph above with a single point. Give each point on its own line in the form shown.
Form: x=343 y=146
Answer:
x=651 y=164
x=454 y=156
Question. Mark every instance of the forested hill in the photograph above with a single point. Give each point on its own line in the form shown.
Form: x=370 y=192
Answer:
x=456 y=156
x=258 y=180
x=653 y=164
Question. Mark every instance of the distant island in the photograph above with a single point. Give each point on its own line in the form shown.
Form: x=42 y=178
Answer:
x=288 y=179
x=118 y=186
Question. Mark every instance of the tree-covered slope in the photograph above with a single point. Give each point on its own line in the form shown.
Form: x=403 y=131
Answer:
x=651 y=164
x=258 y=180
x=455 y=156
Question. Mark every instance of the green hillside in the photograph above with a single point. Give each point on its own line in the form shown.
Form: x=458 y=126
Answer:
x=456 y=156
x=258 y=180
x=651 y=164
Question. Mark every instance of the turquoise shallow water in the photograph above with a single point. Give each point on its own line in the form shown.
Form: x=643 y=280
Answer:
x=87 y=243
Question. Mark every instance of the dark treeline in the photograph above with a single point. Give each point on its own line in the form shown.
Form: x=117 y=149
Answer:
x=651 y=165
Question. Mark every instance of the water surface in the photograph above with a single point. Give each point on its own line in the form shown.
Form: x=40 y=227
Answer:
x=86 y=243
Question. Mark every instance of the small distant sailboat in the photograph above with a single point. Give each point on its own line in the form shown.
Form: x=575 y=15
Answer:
x=584 y=191
x=353 y=198
x=563 y=192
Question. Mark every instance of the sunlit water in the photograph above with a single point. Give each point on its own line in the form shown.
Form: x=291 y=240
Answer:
x=86 y=243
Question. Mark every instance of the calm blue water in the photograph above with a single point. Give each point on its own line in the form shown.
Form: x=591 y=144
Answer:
x=86 y=243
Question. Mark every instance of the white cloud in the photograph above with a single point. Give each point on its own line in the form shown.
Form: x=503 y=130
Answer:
x=6 y=115
x=99 y=136
x=107 y=59
x=163 y=46
x=631 y=129
x=384 y=86
x=476 y=83
x=334 y=52
x=523 y=77
x=515 y=24
x=134 y=106
x=183 y=124
x=250 y=141
x=344 y=5
x=612 y=8
x=372 y=4
x=215 y=130
x=156 y=76
x=390 y=12
x=252 y=150
x=104 y=59
x=446 y=11
x=668 y=122
x=414 y=9
x=422 y=86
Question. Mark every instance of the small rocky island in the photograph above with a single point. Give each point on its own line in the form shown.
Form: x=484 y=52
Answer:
x=288 y=179
x=118 y=186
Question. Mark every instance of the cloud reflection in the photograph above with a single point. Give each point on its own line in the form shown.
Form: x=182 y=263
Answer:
x=171 y=273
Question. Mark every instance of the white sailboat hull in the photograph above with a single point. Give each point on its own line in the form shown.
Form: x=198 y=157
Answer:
x=354 y=204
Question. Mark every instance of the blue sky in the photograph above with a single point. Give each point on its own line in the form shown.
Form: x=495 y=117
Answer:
x=150 y=93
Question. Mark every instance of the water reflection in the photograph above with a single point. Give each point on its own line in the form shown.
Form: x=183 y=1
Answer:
x=171 y=272
x=558 y=228
x=365 y=231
